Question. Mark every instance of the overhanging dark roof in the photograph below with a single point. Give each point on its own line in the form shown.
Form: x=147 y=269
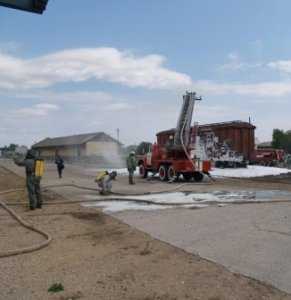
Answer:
x=71 y=140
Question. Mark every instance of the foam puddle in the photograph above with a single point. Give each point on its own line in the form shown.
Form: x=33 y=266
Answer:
x=188 y=200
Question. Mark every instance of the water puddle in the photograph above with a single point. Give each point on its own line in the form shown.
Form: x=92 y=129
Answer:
x=188 y=200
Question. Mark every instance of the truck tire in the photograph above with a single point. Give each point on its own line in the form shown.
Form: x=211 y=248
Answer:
x=163 y=174
x=143 y=172
x=198 y=176
x=187 y=176
x=172 y=173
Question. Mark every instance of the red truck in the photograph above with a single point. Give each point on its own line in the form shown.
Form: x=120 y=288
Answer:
x=268 y=156
x=174 y=153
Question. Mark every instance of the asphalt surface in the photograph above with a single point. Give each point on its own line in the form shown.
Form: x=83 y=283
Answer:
x=252 y=239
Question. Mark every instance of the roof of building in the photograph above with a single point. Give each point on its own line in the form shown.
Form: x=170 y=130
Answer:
x=234 y=124
x=71 y=140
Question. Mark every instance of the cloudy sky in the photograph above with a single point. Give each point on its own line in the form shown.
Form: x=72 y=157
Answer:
x=86 y=66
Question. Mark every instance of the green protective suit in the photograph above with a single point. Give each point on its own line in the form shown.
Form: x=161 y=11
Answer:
x=32 y=181
x=131 y=167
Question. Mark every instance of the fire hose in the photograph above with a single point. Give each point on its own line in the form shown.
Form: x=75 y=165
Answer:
x=135 y=200
x=28 y=226
x=46 y=235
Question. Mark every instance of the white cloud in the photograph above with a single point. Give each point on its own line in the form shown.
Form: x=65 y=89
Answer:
x=84 y=100
x=234 y=63
x=106 y=64
x=281 y=65
x=38 y=110
x=118 y=106
x=85 y=97
x=113 y=65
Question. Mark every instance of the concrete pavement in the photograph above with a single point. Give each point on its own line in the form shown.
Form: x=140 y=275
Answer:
x=254 y=240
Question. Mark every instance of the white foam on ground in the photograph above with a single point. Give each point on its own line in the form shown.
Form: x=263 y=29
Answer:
x=193 y=200
x=116 y=206
x=250 y=171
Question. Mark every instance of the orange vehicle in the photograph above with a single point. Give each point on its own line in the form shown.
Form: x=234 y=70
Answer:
x=175 y=152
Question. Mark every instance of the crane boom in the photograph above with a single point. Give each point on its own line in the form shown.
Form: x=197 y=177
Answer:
x=183 y=127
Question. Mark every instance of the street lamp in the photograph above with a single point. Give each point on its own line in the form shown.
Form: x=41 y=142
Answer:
x=35 y=6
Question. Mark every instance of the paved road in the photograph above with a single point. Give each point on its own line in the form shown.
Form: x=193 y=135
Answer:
x=254 y=240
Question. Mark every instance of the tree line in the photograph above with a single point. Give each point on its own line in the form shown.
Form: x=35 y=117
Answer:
x=282 y=140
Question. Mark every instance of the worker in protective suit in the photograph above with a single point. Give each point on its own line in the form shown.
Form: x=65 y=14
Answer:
x=104 y=180
x=32 y=179
x=131 y=166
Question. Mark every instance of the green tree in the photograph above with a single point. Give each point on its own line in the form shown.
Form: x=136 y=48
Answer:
x=282 y=140
x=12 y=147
x=278 y=138
x=288 y=141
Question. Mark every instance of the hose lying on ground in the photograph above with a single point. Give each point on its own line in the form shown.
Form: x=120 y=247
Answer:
x=108 y=199
x=140 y=201
x=49 y=238
x=28 y=226
x=46 y=235
x=123 y=194
x=150 y=202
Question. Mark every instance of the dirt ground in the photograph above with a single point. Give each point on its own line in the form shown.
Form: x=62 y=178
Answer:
x=94 y=256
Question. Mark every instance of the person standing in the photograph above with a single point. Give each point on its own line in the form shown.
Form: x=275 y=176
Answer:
x=60 y=164
x=131 y=166
x=32 y=179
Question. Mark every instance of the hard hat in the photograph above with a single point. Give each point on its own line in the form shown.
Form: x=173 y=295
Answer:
x=132 y=153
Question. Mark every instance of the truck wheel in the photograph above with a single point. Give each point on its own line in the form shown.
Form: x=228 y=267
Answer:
x=172 y=173
x=187 y=176
x=143 y=172
x=198 y=176
x=163 y=173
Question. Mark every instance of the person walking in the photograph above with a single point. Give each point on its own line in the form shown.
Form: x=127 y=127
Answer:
x=131 y=166
x=60 y=164
x=32 y=178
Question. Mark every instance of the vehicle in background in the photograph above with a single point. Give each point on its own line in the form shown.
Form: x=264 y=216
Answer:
x=268 y=157
x=175 y=153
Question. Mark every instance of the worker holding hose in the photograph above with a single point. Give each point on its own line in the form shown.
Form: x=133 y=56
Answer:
x=33 y=177
x=131 y=166
x=104 y=180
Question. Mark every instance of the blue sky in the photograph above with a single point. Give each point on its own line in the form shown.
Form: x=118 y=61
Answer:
x=125 y=64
